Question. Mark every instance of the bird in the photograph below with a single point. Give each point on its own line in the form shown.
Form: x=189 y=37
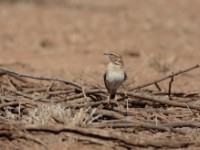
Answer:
x=115 y=74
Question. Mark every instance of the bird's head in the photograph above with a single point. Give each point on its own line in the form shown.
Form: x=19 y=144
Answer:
x=115 y=58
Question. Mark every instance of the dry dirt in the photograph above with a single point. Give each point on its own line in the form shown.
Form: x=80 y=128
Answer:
x=67 y=39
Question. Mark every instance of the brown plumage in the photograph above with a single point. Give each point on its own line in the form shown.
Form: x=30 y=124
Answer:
x=115 y=74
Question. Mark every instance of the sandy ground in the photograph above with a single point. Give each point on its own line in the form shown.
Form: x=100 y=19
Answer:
x=67 y=38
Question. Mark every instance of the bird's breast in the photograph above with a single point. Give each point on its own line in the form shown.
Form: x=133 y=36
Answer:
x=115 y=76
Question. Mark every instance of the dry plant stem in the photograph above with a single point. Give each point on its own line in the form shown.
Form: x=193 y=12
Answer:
x=175 y=94
x=18 y=93
x=80 y=95
x=50 y=87
x=170 y=88
x=181 y=124
x=165 y=102
x=61 y=92
x=131 y=125
x=72 y=97
x=158 y=87
x=17 y=74
x=35 y=98
x=92 y=104
x=161 y=126
x=83 y=89
x=16 y=104
x=109 y=113
x=11 y=83
x=158 y=110
x=164 y=78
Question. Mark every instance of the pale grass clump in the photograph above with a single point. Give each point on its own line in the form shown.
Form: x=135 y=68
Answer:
x=47 y=114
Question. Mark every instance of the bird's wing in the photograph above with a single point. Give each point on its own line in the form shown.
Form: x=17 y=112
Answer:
x=104 y=77
x=125 y=76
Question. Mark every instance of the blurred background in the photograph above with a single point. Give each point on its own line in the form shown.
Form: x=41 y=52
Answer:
x=67 y=38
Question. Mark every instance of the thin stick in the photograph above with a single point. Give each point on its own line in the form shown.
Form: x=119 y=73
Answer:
x=136 y=124
x=92 y=104
x=158 y=87
x=164 y=78
x=83 y=89
x=126 y=96
x=132 y=124
x=13 y=73
x=170 y=87
x=16 y=104
x=108 y=113
x=161 y=101
x=18 y=93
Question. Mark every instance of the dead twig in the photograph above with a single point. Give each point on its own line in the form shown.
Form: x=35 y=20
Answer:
x=17 y=103
x=17 y=74
x=108 y=113
x=158 y=87
x=131 y=124
x=91 y=104
x=18 y=93
x=136 y=124
x=164 y=78
x=161 y=101
x=170 y=88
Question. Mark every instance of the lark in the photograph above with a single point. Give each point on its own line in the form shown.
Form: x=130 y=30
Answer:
x=115 y=74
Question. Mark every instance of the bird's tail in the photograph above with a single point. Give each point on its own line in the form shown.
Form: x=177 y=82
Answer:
x=112 y=96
